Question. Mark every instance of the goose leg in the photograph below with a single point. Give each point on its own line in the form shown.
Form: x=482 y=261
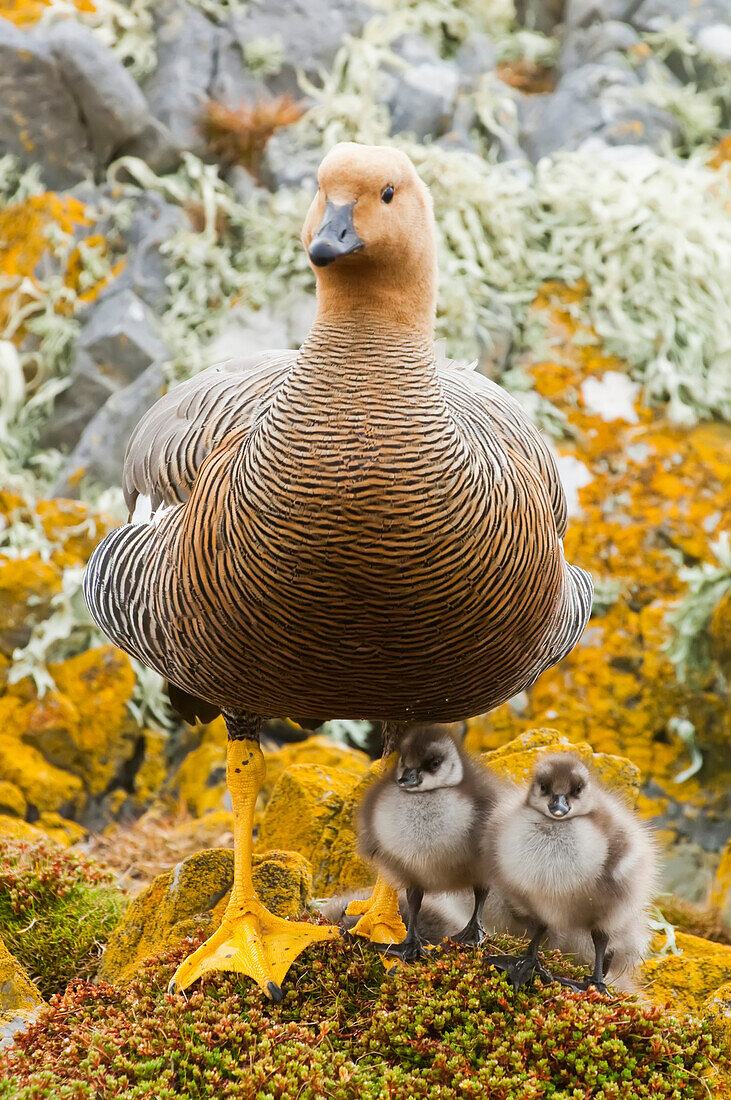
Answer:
x=380 y=919
x=250 y=940
x=473 y=933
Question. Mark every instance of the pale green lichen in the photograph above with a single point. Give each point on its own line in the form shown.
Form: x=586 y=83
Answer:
x=264 y=56
x=707 y=584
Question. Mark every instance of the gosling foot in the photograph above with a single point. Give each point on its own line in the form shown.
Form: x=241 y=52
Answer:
x=411 y=949
x=255 y=942
x=520 y=969
x=471 y=935
x=584 y=985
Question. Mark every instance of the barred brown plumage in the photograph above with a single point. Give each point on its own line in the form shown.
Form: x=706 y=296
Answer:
x=354 y=530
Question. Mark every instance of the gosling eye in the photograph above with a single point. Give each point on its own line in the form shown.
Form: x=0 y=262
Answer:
x=387 y=194
x=434 y=763
x=577 y=790
x=545 y=789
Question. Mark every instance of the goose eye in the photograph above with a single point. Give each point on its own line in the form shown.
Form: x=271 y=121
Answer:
x=387 y=194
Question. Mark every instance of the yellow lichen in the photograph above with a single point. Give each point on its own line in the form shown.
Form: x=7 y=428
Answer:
x=17 y=992
x=721 y=889
x=26 y=588
x=150 y=775
x=12 y=799
x=687 y=979
x=658 y=494
x=44 y=786
x=717 y=1011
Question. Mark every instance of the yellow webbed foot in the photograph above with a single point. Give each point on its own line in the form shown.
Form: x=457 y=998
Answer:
x=380 y=921
x=255 y=942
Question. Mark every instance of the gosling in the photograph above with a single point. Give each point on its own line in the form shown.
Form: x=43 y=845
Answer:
x=424 y=826
x=571 y=858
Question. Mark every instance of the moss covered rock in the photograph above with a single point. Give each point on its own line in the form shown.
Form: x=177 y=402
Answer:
x=445 y=1028
x=192 y=897
x=56 y=909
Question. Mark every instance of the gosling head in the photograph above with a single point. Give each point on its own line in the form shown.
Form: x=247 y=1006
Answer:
x=429 y=761
x=561 y=787
x=369 y=234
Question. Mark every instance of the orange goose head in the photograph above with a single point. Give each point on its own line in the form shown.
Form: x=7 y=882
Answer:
x=369 y=235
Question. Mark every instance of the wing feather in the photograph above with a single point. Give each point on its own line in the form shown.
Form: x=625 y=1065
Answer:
x=174 y=437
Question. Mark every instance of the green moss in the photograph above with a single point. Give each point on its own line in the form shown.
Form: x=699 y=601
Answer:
x=56 y=909
x=447 y=1028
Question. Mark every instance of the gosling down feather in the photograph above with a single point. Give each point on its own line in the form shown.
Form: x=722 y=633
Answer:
x=359 y=529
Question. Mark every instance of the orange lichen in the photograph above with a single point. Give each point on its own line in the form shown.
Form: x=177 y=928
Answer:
x=74 y=524
x=527 y=76
x=24 y=13
x=75 y=269
x=23 y=237
x=26 y=588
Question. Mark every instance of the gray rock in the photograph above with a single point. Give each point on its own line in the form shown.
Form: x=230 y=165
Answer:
x=653 y=15
x=113 y=108
x=89 y=387
x=423 y=99
x=99 y=454
x=146 y=268
x=119 y=334
x=39 y=117
x=310 y=31
x=599 y=42
x=473 y=59
x=155 y=145
x=593 y=101
x=286 y=163
x=188 y=47
x=540 y=15
x=241 y=182
x=582 y=13
x=415 y=49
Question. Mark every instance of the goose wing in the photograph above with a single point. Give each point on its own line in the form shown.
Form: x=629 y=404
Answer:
x=173 y=438
x=484 y=406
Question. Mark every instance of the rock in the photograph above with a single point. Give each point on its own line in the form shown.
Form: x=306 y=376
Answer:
x=654 y=15
x=26 y=588
x=540 y=15
x=594 y=43
x=89 y=387
x=86 y=727
x=146 y=268
x=475 y=57
x=593 y=101
x=716 y=1010
x=155 y=145
x=113 y=109
x=12 y=799
x=721 y=891
x=312 y=811
x=19 y=998
x=290 y=24
x=40 y=122
x=517 y=759
x=582 y=13
x=422 y=99
x=247 y=331
x=286 y=163
x=194 y=896
x=690 y=978
x=187 y=46
x=120 y=334
x=99 y=454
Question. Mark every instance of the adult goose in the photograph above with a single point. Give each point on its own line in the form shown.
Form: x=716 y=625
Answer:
x=351 y=530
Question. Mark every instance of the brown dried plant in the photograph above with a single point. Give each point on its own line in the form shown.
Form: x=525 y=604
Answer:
x=240 y=136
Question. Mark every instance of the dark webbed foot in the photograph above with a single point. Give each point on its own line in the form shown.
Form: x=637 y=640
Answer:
x=584 y=985
x=411 y=949
x=471 y=935
x=520 y=969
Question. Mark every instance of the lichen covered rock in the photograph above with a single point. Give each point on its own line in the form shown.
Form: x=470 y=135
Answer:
x=19 y=998
x=193 y=897
x=687 y=979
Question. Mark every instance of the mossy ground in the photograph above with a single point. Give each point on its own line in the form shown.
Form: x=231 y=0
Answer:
x=443 y=1028
x=56 y=910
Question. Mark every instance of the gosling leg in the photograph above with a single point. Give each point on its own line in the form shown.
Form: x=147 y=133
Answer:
x=473 y=933
x=520 y=969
